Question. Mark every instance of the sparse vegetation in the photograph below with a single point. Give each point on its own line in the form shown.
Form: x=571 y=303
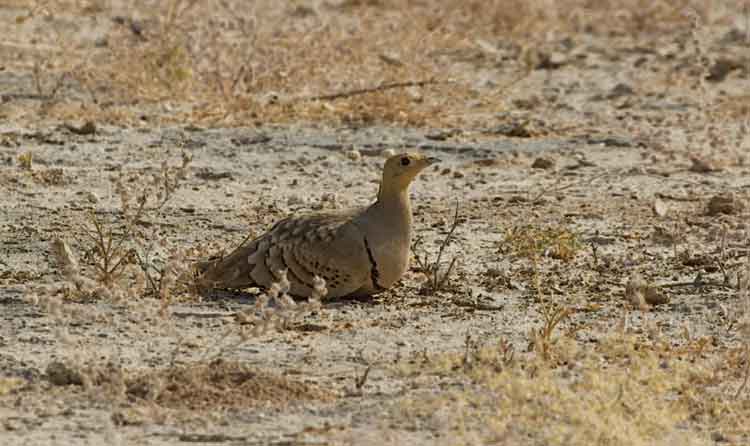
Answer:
x=114 y=249
x=536 y=241
x=598 y=151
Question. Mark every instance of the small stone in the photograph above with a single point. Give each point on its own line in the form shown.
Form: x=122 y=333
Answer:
x=391 y=58
x=543 y=163
x=660 y=208
x=721 y=68
x=60 y=374
x=620 y=90
x=655 y=296
x=294 y=200
x=724 y=204
x=641 y=294
x=88 y=128
x=91 y=197
x=703 y=165
x=515 y=129
x=354 y=155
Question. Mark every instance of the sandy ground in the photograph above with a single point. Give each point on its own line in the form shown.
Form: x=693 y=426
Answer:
x=600 y=172
x=489 y=296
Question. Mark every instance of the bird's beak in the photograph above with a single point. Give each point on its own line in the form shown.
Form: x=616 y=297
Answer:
x=432 y=160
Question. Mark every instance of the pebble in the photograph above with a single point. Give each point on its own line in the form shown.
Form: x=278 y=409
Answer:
x=543 y=163
x=354 y=155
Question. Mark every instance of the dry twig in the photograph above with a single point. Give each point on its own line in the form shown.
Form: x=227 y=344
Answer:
x=378 y=88
x=436 y=280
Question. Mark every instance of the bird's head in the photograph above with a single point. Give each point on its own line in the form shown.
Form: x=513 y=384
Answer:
x=400 y=170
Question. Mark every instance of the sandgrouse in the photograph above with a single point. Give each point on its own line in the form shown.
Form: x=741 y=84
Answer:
x=358 y=252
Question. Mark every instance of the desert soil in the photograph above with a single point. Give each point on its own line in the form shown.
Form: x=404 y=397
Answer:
x=610 y=188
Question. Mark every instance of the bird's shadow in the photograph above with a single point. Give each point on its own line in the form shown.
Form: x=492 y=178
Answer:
x=245 y=297
x=226 y=296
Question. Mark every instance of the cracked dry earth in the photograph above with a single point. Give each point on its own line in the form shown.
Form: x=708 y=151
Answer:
x=136 y=375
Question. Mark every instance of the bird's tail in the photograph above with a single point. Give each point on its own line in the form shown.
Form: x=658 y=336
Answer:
x=231 y=271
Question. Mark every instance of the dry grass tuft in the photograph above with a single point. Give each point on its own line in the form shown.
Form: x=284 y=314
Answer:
x=534 y=242
x=541 y=339
x=8 y=385
x=218 y=384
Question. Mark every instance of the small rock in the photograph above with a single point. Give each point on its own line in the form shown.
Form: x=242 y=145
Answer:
x=294 y=199
x=640 y=294
x=720 y=437
x=549 y=61
x=724 y=204
x=517 y=199
x=664 y=237
x=391 y=58
x=354 y=155
x=488 y=162
x=734 y=35
x=208 y=174
x=516 y=129
x=91 y=197
x=88 y=128
x=660 y=208
x=654 y=296
x=442 y=135
x=60 y=374
x=620 y=90
x=458 y=174
x=634 y=292
x=543 y=163
x=387 y=153
x=250 y=140
x=302 y=11
x=721 y=69
x=703 y=165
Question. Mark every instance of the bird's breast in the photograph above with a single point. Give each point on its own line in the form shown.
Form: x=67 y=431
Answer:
x=392 y=259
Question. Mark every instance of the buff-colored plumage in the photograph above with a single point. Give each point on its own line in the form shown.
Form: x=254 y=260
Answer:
x=357 y=252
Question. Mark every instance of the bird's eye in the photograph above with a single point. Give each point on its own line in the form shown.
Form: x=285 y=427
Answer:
x=405 y=161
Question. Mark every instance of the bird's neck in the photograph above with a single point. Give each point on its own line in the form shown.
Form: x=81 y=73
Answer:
x=395 y=206
x=392 y=198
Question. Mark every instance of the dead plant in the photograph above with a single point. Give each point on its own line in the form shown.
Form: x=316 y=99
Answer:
x=437 y=277
x=541 y=338
x=109 y=255
x=124 y=257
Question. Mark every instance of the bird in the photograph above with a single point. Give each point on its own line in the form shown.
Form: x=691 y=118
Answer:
x=358 y=252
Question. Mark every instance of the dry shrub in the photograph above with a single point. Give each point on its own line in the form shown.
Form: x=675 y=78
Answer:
x=541 y=339
x=437 y=273
x=535 y=242
x=200 y=386
x=220 y=384
x=124 y=257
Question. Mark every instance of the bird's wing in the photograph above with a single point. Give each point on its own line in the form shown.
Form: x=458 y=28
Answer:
x=327 y=245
